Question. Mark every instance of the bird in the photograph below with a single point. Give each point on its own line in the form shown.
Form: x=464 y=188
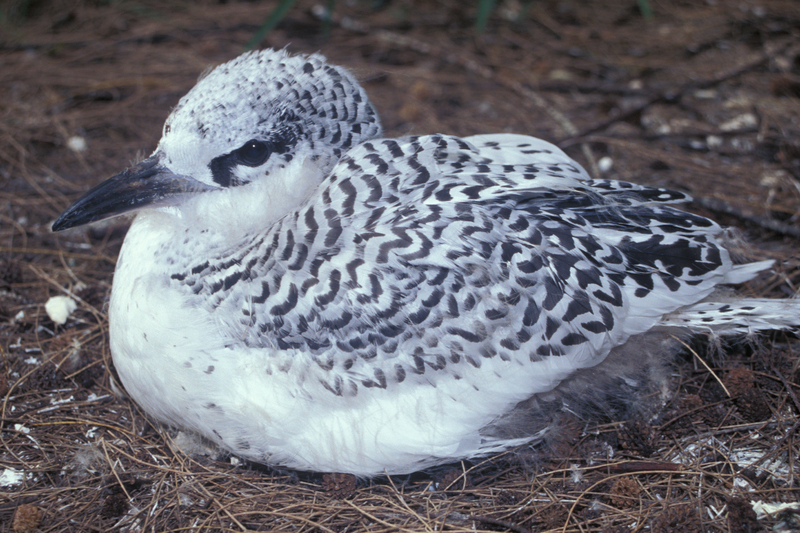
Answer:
x=306 y=293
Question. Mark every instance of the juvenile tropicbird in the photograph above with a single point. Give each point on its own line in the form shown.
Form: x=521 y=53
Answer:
x=306 y=293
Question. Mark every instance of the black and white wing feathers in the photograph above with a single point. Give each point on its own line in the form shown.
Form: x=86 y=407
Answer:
x=420 y=256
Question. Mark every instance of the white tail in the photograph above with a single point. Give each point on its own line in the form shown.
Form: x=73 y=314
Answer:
x=736 y=316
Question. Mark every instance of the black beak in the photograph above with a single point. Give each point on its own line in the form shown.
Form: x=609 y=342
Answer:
x=146 y=184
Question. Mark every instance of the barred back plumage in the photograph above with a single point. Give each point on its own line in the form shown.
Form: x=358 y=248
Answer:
x=304 y=292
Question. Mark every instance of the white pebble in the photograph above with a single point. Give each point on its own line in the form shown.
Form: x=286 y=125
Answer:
x=9 y=477
x=59 y=308
x=745 y=120
x=765 y=509
x=605 y=164
x=714 y=141
x=705 y=94
x=76 y=143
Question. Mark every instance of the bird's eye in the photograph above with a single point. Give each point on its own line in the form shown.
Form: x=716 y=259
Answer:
x=253 y=153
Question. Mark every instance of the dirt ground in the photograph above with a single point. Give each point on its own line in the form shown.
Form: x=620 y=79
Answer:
x=703 y=97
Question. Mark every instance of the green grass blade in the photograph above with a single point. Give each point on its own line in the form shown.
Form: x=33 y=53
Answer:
x=274 y=18
x=485 y=7
x=645 y=8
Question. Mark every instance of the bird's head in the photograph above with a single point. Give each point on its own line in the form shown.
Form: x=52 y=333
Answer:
x=251 y=141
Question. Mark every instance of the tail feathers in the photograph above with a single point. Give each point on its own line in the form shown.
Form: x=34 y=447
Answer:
x=741 y=273
x=742 y=316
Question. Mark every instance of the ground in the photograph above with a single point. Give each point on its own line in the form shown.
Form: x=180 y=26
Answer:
x=702 y=97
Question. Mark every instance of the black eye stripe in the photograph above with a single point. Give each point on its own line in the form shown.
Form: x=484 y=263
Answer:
x=252 y=154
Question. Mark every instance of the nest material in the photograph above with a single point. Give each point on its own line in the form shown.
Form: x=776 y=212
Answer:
x=671 y=102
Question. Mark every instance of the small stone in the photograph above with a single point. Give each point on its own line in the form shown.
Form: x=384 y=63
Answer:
x=59 y=308
x=27 y=519
x=339 y=485
x=625 y=493
x=705 y=94
x=77 y=144
x=745 y=120
x=714 y=141
x=605 y=164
